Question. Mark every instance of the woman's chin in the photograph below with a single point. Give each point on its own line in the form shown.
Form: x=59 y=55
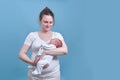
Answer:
x=47 y=29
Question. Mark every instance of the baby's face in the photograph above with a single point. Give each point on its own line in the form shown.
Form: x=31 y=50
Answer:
x=54 y=42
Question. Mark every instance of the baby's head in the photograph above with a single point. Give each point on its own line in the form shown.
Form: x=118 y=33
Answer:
x=57 y=42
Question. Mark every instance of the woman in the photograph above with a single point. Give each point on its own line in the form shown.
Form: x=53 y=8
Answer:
x=35 y=39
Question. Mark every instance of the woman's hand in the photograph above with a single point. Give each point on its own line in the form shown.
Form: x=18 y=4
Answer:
x=37 y=58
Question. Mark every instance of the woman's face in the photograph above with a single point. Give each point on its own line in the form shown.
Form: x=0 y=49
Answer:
x=46 y=22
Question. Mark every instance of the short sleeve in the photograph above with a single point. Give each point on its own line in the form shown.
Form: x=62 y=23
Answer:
x=29 y=39
x=58 y=35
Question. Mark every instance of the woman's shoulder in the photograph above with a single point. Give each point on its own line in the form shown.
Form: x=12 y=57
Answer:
x=32 y=33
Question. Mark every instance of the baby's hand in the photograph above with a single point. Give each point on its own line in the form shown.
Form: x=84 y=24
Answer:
x=45 y=66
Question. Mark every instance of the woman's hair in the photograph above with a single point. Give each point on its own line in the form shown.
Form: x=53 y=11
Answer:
x=46 y=11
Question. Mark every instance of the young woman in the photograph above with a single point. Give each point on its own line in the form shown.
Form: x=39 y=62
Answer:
x=35 y=39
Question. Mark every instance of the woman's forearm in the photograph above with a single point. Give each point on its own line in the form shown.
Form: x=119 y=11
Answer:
x=25 y=58
x=56 y=52
x=23 y=54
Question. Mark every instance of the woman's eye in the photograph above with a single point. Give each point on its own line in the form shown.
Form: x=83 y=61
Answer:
x=48 y=22
x=51 y=22
x=45 y=21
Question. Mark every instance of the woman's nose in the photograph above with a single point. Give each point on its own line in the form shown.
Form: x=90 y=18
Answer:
x=48 y=24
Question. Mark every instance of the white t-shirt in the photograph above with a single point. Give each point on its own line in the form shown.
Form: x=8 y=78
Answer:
x=34 y=41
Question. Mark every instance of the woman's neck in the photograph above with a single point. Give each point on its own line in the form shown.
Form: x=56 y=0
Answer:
x=45 y=32
x=45 y=35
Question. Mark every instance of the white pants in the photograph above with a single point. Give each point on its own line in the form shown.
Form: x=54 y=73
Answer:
x=54 y=75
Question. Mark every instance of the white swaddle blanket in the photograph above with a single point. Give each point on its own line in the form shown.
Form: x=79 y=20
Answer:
x=45 y=60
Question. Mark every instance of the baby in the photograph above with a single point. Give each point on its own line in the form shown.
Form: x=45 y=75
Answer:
x=54 y=43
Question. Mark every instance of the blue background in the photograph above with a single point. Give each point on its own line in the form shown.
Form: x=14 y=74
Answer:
x=91 y=29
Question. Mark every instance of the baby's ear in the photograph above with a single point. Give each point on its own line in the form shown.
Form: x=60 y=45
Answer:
x=59 y=45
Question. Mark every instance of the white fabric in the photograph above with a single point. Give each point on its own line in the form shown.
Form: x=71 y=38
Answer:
x=53 y=75
x=34 y=41
x=45 y=60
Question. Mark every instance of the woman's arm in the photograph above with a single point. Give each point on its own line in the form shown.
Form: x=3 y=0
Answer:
x=23 y=54
x=58 y=51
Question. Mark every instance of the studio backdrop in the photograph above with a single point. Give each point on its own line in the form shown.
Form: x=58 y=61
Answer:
x=91 y=29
